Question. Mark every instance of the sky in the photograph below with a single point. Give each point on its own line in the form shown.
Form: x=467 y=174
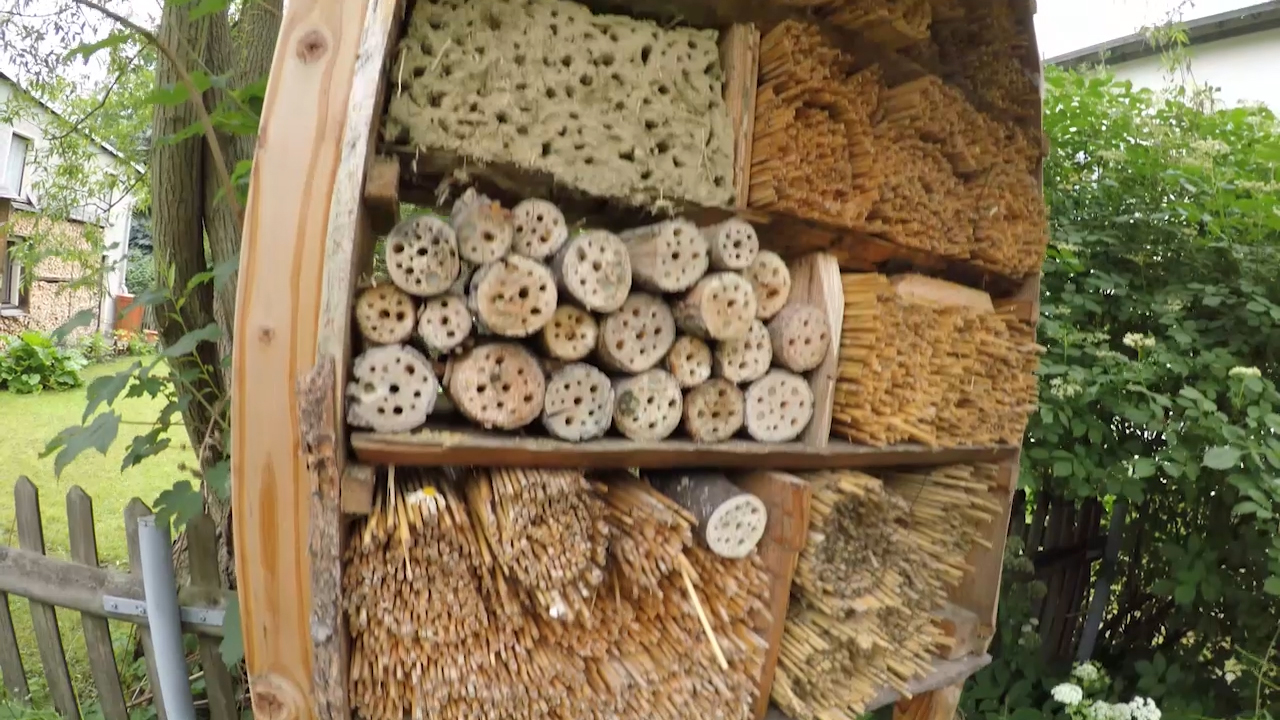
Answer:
x=1066 y=25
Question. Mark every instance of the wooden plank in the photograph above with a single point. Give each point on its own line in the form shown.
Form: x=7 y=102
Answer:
x=134 y=510
x=44 y=619
x=382 y=194
x=206 y=581
x=97 y=634
x=940 y=704
x=281 y=276
x=979 y=592
x=14 y=675
x=945 y=673
x=358 y=482
x=787 y=499
x=815 y=280
x=963 y=627
x=739 y=59
x=465 y=446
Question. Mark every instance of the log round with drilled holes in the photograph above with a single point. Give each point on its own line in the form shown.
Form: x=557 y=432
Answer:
x=779 y=406
x=689 y=360
x=721 y=306
x=483 y=228
x=514 y=297
x=731 y=521
x=593 y=268
x=497 y=386
x=668 y=256
x=714 y=411
x=579 y=403
x=638 y=335
x=733 y=244
x=771 y=280
x=571 y=334
x=384 y=314
x=540 y=229
x=800 y=337
x=392 y=389
x=647 y=406
x=422 y=256
x=444 y=322
x=747 y=358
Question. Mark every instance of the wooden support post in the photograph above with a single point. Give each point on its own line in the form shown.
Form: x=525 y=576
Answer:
x=937 y=705
x=206 y=581
x=382 y=194
x=134 y=510
x=97 y=635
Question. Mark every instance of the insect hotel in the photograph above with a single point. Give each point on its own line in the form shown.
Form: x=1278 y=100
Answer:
x=649 y=359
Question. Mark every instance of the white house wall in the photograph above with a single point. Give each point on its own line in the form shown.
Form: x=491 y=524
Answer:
x=1245 y=69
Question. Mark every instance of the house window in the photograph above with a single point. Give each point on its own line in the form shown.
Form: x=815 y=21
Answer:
x=15 y=165
x=12 y=294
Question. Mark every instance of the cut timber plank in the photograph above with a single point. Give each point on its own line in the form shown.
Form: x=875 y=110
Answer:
x=14 y=675
x=134 y=510
x=357 y=489
x=963 y=627
x=940 y=704
x=815 y=280
x=97 y=634
x=382 y=194
x=206 y=579
x=740 y=59
x=787 y=498
x=445 y=447
x=945 y=673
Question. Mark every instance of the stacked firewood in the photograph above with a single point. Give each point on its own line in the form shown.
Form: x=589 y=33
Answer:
x=881 y=557
x=518 y=320
x=449 y=616
x=928 y=361
x=890 y=24
x=912 y=161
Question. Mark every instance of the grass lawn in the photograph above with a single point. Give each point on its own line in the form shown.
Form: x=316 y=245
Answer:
x=27 y=422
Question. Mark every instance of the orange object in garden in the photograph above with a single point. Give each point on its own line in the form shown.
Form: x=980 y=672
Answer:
x=128 y=314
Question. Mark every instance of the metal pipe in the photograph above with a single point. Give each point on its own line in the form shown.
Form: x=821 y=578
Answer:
x=164 y=618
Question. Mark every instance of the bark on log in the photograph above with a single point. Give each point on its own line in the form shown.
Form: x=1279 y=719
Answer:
x=498 y=385
x=689 y=360
x=513 y=297
x=746 y=359
x=667 y=257
x=594 y=269
x=444 y=323
x=571 y=334
x=731 y=521
x=779 y=407
x=540 y=229
x=714 y=411
x=579 y=403
x=800 y=337
x=422 y=256
x=648 y=406
x=771 y=280
x=483 y=228
x=733 y=244
x=638 y=335
x=384 y=315
x=392 y=389
x=720 y=307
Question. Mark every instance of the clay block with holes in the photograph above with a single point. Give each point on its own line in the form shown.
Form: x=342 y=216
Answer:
x=771 y=280
x=648 y=406
x=721 y=306
x=733 y=244
x=714 y=411
x=800 y=337
x=730 y=520
x=483 y=228
x=422 y=256
x=746 y=359
x=689 y=360
x=638 y=335
x=392 y=389
x=513 y=297
x=571 y=334
x=667 y=257
x=540 y=229
x=579 y=403
x=779 y=407
x=384 y=314
x=593 y=268
x=444 y=323
x=497 y=386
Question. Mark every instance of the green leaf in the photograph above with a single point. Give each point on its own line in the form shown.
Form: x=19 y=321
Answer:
x=218 y=479
x=1222 y=457
x=1026 y=713
x=1185 y=594
x=179 y=504
x=88 y=50
x=1272 y=586
x=1062 y=468
x=232 y=647
x=79 y=320
x=187 y=343
x=1248 y=507
x=1144 y=467
x=106 y=389
x=98 y=435
x=168 y=95
x=208 y=7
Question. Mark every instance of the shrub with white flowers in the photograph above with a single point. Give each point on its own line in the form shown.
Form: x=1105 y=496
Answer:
x=1095 y=679
x=1244 y=372
x=1138 y=341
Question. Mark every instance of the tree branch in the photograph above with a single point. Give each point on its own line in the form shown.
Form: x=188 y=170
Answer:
x=101 y=103
x=196 y=99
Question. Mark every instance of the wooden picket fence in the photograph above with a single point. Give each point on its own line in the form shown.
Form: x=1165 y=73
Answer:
x=83 y=585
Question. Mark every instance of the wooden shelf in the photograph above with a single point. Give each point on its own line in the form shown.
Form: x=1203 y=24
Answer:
x=459 y=447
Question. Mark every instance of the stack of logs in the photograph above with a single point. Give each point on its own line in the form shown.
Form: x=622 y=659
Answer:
x=645 y=331
x=928 y=361
x=532 y=594
x=913 y=162
x=869 y=586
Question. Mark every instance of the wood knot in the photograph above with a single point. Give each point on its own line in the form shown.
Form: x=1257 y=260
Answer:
x=312 y=46
x=275 y=698
x=266 y=335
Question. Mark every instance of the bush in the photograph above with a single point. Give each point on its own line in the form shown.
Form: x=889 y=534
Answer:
x=95 y=348
x=31 y=363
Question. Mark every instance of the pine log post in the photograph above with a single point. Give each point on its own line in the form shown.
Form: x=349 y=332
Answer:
x=594 y=269
x=714 y=411
x=498 y=385
x=571 y=335
x=733 y=244
x=393 y=389
x=720 y=306
x=667 y=257
x=648 y=406
x=384 y=315
x=540 y=229
x=771 y=281
x=779 y=407
x=422 y=256
x=689 y=360
x=512 y=297
x=483 y=228
x=444 y=323
x=731 y=521
x=579 y=403
x=747 y=358
x=638 y=335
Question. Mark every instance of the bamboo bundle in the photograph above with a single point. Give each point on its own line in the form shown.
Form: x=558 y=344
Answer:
x=922 y=203
x=891 y=24
x=1010 y=230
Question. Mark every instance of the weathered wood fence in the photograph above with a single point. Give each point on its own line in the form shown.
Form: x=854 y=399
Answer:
x=83 y=585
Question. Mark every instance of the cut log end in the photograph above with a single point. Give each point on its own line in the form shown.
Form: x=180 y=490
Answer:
x=771 y=280
x=594 y=269
x=540 y=229
x=733 y=244
x=721 y=306
x=638 y=335
x=513 y=297
x=779 y=407
x=689 y=360
x=498 y=385
x=483 y=228
x=384 y=315
x=571 y=334
x=422 y=256
x=444 y=323
x=667 y=257
x=579 y=403
x=714 y=411
x=746 y=359
x=800 y=337
x=736 y=527
x=392 y=389
x=648 y=406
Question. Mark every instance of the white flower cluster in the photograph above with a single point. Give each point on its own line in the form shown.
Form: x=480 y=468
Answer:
x=1244 y=372
x=1069 y=246
x=1258 y=187
x=1138 y=341
x=1087 y=672
x=1064 y=389
x=1110 y=355
x=1174 y=305
x=1209 y=147
x=1141 y=708
x=1097 y=338
x=1068 y=694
